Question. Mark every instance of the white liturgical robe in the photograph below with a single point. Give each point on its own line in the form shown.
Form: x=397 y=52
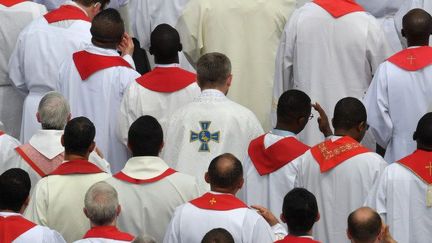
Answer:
x=53 y=4
x=404 y=200
x=35 y=61
x=340 y=186
x=43 y=154
x=194 y=219
x=395 y=94
x=7 y=144
x=98 y=95
x=106 y=234
x=58 y=199
x=328 y=58
x=209 y=126
x=14 y=228
x=149 y=191
x=247 y=32
x=269 y=174
x=13 y=19
x=158 y=93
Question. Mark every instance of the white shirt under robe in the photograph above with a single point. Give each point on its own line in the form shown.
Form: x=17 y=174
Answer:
x=246 y=31
x=210 y=125
x=35 y=61
x=191 y=222
x=400 y=197
x=98 y=98
x=13 y=19
x=58 y=199
x=149 y=191
x=14 y=228
x=269 y=188
x=146 y=97
x=340 y=189
x=7 y=144
x=43 y=154
x=396 y=100
x=328 y=58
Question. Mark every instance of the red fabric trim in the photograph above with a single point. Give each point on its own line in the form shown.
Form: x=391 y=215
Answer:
x=275 y=156
x=412 y=59
x=29 y=161
x=219 y=202
x=66 y=12
x=1 y=132
x=12 y=227
x=10 y=3
x=76 y=167
x=108 y=232
x=420 y=163
x=295 y=239
x=88 y=63
x=339 y=8
x=330 y=154
x=123 y=177
x=166 y=80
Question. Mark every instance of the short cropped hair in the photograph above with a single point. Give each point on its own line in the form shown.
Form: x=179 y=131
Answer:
x=300 y=210
x=53 y=111
x=15 y=187
x=89 y=3
x=101 y=202
x=225 y=176
x=165 y=42
x=213 y=69
x=218 y=235
x=365 y=229
x=145 y=136
x=349 y=112
x=107 y=27
x=78 y=135
x=423 y=133
x=293 y=104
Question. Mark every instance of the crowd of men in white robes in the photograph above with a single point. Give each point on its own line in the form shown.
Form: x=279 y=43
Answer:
x=222 y=121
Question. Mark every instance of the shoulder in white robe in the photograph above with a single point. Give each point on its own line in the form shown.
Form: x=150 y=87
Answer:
x=7 y=144
x=228 y=128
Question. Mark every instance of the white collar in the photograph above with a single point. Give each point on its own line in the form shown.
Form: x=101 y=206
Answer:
x=167 y=65
x=144 y=167
x=72 y=3
x=212 y=93
x=47 y=142
x=282 y=133
x=7 y=214
x=100 y=51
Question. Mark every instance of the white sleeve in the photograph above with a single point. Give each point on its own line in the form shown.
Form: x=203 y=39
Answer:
x=100 y=162
x=262 y=232
x=52 y=236
x=173 y=230
x=377 y=47
x=125 y=116
x=376 y=198
x=16 y=65
x=377 y=106
x=283 y=77
x=38 y=207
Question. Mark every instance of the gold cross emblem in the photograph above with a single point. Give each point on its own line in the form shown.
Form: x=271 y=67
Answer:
x=429 y=167
x=212 y=201
x=411 y=58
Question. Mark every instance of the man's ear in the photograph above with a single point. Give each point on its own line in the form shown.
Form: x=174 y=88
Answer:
x=207 y=177
x=403 y=33
x=38 y=117
x=240 y=183
x=92 y=147
x=85 y=212
x=118 y=210
x=161 y=146
x=348 y=234
x=229 y=80
x=180 y=47
x=62 y=140
x=282 y=218
x=415 y=136
x=151 y=50
x=318 y=217
x=69 y=117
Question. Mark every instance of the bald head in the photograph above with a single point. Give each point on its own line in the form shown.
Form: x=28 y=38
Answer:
x=364 y=225
x=101 y=203
x=107 y=29
x=225 y=172
x=423 y=133
x=165 y=44
x=417 y=25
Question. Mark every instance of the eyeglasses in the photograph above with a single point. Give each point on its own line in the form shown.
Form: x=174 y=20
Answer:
x=311 y=116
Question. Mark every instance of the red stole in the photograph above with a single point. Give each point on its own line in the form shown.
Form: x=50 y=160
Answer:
x=88 y=63
x=66 y=12
x=419 y=163
x=108 y=232
x=275 y=156
x=12 y=227
x=40 y=164
x=218 y=202
x=76 y=167
x=339 y=8
x=166 y=80
x=330 y=154
x=296 y=239
x=1 y=132
x=123 y=177
x=412 y=59
x=10 y=3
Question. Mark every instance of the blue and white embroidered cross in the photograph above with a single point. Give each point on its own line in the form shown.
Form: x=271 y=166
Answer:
x=204 y=136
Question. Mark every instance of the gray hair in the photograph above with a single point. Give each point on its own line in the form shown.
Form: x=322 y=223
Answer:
x=213 y=69
x=53 y=111
x=101 y=202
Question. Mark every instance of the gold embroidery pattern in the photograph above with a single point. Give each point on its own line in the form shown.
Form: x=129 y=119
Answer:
x=212 y=201
x=330 y=154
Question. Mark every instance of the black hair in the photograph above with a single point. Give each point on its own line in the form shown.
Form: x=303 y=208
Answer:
x=78 y=135
x=15 y=187
x=226 y=176
x=145 y=136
